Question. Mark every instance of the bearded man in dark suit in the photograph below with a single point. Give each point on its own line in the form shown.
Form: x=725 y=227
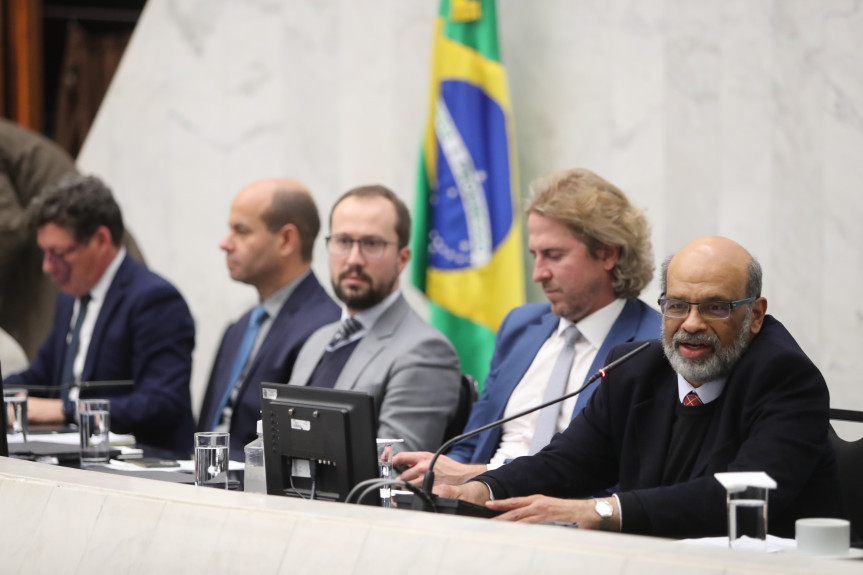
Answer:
x=725 y=389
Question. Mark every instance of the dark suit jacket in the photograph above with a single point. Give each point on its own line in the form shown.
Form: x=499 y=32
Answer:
x=308 y=308
x=521 y=334
x=145 y=333
x=772 y=416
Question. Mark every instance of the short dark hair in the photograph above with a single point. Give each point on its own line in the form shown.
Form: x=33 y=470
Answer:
x=297 y=208
x=81 y=204
x=754 y=276
x=403 y=216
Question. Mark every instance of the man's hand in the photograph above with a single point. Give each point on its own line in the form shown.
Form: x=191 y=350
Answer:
x=536 y=508
x=474 y=491
x=41 y=410
x=447 y=471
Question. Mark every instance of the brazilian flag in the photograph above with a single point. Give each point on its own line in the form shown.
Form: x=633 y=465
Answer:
x=467 y=241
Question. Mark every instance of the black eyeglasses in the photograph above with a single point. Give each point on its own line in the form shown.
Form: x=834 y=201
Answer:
x=679 y=309
x=372 y=248
x=60 y=255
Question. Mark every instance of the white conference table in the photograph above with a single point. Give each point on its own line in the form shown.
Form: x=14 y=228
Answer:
x=64 y=520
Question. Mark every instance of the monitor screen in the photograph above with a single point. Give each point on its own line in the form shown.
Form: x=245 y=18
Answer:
x=318 y=442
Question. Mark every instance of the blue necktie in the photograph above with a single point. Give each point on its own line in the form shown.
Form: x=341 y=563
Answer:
x=67 y=376
x=257 y=317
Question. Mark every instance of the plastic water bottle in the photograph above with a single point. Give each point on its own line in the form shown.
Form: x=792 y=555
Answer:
x=255 y=476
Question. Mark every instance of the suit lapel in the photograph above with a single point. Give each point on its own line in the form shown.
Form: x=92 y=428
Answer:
x=708 y=447
x=623 y=330
x=311 y=354
x=280 y=325
x=233 y=340
x=517 y=362
x=512 y=369
x=281 y=329
x=372 y=344
x=653 y=421
x=113 y=298
x=62 y=322
x=221 y=371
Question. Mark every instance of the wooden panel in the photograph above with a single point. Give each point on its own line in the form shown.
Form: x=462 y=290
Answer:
x=23 y=78
x=3 y=65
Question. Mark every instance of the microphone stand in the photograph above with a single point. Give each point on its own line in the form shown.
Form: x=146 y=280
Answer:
x=428 y=479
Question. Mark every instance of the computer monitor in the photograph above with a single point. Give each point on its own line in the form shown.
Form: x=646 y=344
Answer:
x=318 y=442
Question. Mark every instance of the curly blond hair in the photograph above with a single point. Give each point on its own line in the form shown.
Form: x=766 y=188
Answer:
x=599 y=215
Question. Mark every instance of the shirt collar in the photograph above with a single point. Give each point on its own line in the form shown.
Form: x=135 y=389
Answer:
x=707 y=392
x=368 y=317
x=100 y=290
x=595 y=327
x=273 y=304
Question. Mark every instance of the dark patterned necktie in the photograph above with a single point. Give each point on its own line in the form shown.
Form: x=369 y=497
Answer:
x=345 y=334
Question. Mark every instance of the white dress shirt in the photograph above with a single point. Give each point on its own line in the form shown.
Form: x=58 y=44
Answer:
x=517 y=434
x=706 y=392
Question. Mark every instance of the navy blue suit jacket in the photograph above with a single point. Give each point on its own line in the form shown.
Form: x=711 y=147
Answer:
x=772 y=416
x=524 y=330
x=308 y=308
x=144 y=333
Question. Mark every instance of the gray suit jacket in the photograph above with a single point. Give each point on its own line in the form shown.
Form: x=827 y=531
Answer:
x=411 y=369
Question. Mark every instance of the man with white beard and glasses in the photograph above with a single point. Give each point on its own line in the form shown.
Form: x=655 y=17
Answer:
x=725 y=389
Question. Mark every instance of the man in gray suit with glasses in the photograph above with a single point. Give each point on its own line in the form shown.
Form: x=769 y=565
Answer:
x=381 y=345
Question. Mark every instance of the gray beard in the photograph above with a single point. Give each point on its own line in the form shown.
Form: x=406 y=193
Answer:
x=717 y=364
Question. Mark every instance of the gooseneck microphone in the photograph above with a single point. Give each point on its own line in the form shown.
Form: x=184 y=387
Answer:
x=428 y=479
x=82 y=385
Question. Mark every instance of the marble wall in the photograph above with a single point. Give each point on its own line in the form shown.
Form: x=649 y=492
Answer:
x=735 y=117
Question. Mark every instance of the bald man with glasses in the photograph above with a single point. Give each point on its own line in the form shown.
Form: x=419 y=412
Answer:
x=726 y=388
x=381 y=346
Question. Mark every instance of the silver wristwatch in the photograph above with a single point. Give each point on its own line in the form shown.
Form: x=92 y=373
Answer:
x=604 y=510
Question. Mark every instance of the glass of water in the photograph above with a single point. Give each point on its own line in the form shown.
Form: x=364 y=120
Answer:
x=15 y=404
x=94 y=426
x=747 y=518
x=385 y=468
x=211 y=459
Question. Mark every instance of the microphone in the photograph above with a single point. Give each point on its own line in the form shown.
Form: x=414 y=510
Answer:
x=83 y=385
x=428 y=479
x=107 y=383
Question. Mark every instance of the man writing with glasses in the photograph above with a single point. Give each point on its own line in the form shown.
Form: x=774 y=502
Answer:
x=381 y=346
x=115 y=320
x=725 y=389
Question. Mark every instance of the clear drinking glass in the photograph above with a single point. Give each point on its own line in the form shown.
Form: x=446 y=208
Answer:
x=385 y=468
x=211 y=459
x=747 y=517
x=94 y=426
x=15 y=404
